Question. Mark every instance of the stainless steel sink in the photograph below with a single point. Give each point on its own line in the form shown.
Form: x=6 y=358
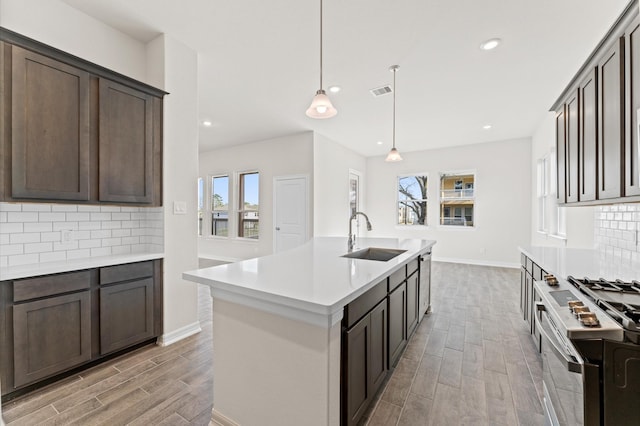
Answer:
x=375 y=253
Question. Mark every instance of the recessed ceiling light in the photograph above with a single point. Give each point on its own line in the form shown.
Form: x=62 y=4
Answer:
x=490 y=44
x=334 y=89
x=379 y=142
x=486 y=126
x=207 y=123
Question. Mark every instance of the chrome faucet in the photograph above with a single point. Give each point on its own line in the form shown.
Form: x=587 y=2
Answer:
x=352 y=237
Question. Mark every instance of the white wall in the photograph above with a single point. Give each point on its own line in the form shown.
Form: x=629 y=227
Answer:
x=331 y=165
x=286 y=155
x=502 y=209
x=174 y=67
x=579 y=220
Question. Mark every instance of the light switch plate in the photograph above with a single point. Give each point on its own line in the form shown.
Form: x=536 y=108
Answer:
x=179 y=207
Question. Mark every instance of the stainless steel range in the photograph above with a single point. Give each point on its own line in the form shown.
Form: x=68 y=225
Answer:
x=590 y=362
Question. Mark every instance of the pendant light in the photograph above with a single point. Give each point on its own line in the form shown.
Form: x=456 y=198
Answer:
x=321 y=105
x=394 y=155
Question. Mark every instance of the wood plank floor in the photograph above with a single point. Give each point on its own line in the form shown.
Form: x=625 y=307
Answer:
x=470 y=362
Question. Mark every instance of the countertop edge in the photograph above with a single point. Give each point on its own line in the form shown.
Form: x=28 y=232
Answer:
x=323 y=315
x=48 y=268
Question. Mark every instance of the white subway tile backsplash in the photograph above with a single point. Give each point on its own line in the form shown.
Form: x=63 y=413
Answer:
x=31 y=233
x=618 y=234
x=38 y=247
x=25 y=238
x=22 y=217
x=64 y=208
x=34 y=207
x=23 y=259
x=54 y=256
x=38 y=227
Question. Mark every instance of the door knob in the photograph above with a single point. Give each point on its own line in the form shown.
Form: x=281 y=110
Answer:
x=277 y=228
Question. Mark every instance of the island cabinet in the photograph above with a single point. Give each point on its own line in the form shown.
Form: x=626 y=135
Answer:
x=529 y=273
x=73 y=131
x=53 y=324
x=598 y=159
x=375 y=330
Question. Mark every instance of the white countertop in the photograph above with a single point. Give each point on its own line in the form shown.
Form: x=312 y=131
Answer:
x=581 y=263
x=46 y=268
x=312 y=282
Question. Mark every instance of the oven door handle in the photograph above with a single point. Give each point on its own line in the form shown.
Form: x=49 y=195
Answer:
x=571 y=363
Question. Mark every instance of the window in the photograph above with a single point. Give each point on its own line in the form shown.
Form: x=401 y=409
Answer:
x=542 y=191
x=248 y=210
x=200 y=204
x=457 y=199
x=412 y=200
x=220 y=206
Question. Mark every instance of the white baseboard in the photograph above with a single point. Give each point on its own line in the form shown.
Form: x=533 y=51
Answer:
x=220 y=420
x=179 y=334
x=476 y=262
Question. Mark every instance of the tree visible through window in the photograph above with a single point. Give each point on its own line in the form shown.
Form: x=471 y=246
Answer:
x=412 y=200
x=248 y=211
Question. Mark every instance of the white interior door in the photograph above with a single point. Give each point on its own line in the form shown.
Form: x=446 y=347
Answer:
x=290 y=212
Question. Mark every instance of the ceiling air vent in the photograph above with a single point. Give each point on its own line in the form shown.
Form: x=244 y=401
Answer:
x=380 y=91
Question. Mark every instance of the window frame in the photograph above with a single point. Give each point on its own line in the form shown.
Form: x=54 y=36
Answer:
x=398 y=201
x=239 y=205
x=464 y=188
x=211 y=210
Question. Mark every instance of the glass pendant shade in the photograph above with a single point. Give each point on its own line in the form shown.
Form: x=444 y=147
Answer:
x=321 y=106
x=393 y=155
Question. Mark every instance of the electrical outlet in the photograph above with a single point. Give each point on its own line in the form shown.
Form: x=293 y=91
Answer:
x=66 y=236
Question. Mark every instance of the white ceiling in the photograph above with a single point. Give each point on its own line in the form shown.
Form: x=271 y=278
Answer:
x=259 y=64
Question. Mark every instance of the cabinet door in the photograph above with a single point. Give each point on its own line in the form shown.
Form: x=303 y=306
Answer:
x=378 y=350
x=126 y=144
x=50 y=128
x=632 y=136
x=397 y=323
x=588 y=136
x=412 y=303
x=523 y=292
x=356 y=380
x=572 y=160
x=50 y=336
x=561 y=149
x=610 y=121
x=126 y=314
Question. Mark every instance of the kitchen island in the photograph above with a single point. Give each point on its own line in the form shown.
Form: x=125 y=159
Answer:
x=277 y=328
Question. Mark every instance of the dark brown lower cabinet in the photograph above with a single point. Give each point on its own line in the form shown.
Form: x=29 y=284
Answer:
x=52 y=324
x=366 y=361
x=397 y=323
x=413 y=303
x=126 y=314
x=51 y=335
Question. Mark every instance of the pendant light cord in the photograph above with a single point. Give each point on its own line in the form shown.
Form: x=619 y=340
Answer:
x=320 y=44
x=394 y=107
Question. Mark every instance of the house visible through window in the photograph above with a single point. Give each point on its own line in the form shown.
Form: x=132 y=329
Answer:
x=412 y=200
x=248 y=210
x=220 y=206
x=457 y=199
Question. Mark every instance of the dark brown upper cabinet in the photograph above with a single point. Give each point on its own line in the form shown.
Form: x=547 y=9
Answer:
x=610 y=122
x=50 y=128
x=588 y=128
x=598 y=148
x=126 y=144
x=73 y=131
x=572 y=152
x=561 y=150
x=632 y=84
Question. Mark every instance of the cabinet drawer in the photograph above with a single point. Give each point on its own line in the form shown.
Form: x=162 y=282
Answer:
x=33 y=288
x=363 y=304
x=127 y=272
x=397 y=278
x=412 y=266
